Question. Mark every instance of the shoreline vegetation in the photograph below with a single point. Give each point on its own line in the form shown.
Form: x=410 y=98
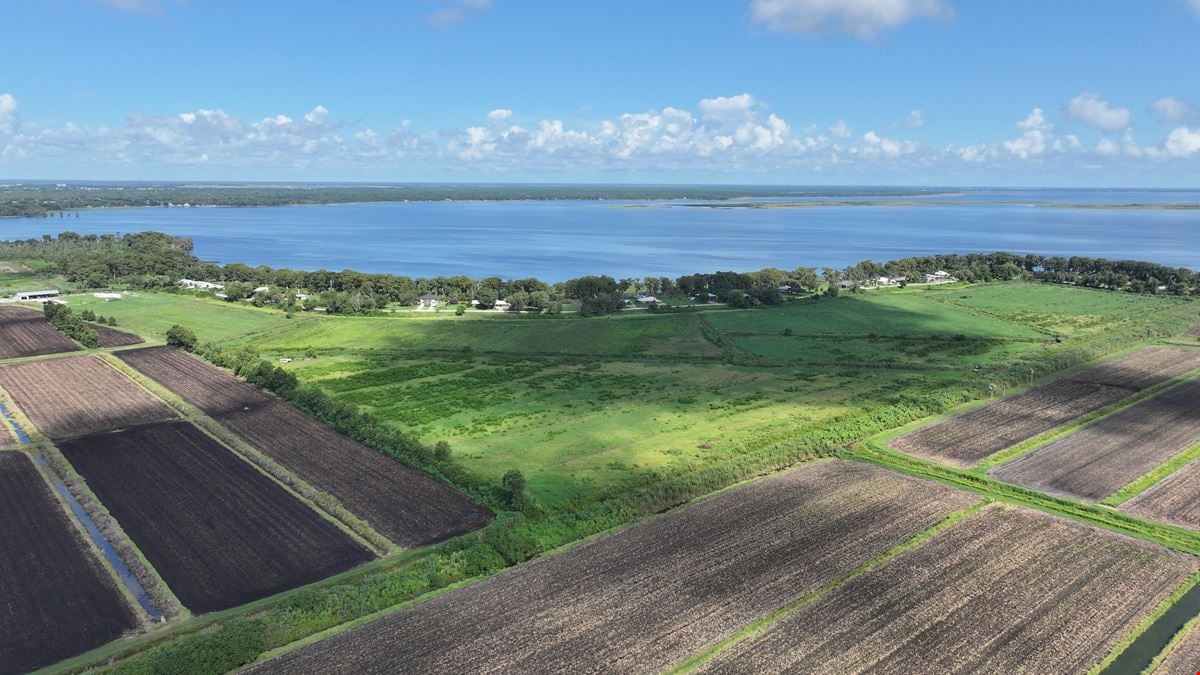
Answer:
x=569 y=426
x=44 y=199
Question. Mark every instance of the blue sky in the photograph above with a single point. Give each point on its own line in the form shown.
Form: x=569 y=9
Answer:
x=937 y=92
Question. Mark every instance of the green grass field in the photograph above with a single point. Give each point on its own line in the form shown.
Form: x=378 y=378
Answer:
x=585 y=404
x=883 y=313
x=640 y=334
x=1059 y=310
x=151 y=314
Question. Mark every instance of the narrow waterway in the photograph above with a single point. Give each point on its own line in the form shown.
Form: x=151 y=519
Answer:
x=110 y=553
x=1151 y=643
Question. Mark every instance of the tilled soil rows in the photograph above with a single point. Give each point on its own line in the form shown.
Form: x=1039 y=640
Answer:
x=111 y=337
x=219 y=532
x=79 y=395
x=965 y=439
x=1184 y=659
x=25 y=332
x=1100 y=459
x=403 y=504
x=56 y=600
x=649 y=596
x=1175 y=500
x=1007 y=590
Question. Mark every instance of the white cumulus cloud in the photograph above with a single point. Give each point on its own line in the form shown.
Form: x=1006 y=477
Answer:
x=1036 y=136
x=864 y=19
x=915 y=120
x=9 y=118
x=1183 y=142
x=1091 y=109
x=1171 y=109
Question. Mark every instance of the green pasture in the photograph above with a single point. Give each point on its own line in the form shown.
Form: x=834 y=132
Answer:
x=151 y=314
x=1056 y=309
x=621 y=335
x=880 y=313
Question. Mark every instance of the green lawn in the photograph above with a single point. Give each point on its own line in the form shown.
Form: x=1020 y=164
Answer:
x=151 y=314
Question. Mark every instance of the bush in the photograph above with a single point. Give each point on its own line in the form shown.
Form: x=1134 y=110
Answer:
x=184 y=338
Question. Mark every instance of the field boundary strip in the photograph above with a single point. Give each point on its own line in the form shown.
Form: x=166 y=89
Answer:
x=1145 y=624
x=1171 y=536
x=763 y=624
x=1090 y=419
x=1153 y=477
x=929 y=420
x=322 y=503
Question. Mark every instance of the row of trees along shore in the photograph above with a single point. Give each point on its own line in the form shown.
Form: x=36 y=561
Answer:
x=152 y=260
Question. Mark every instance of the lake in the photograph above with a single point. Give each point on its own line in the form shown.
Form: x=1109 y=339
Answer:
x=560 y=239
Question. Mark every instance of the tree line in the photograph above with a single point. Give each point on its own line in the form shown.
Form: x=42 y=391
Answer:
x=153 y=260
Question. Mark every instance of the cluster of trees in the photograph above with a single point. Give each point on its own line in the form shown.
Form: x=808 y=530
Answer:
x=156 y=260
x=89 y=315
x=70 y=324
x=1119 y=275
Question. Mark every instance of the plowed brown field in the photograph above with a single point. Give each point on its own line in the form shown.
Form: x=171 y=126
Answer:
x=1100 y=459
x=965 y=439
x=220 y=533
x=649 y=596
x=79 y=395
x=1175 y=500
x=403 y=504
x=56 y=600
x=1007 y=590
x=111 y=337
x=25 y=332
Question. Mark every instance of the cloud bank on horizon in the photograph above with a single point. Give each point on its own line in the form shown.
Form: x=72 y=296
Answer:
x=731 y=136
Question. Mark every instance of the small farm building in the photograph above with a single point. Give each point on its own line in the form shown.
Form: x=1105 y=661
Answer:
x=36 y=295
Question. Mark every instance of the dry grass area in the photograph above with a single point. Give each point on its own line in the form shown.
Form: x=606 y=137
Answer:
x=1184 y=658
x=79 y=395
x=1175 y=500
x=1007 y=590
x=25 y=332
x=405 y=505
x=648 y=597
x=965 y=439
x=1100 y=459
x=1194 y=331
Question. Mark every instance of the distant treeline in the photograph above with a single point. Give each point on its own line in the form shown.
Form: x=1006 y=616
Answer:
x=154 y=260
x=44 y=199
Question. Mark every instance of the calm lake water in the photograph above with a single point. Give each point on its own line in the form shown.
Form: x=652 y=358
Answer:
x=556 y=240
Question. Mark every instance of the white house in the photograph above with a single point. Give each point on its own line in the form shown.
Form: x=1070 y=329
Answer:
x=43 y=296
x=427 y=302
x=202 y=285
x=647 y=298
x=940 y=275
x=502 y=305
x=262 y=289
